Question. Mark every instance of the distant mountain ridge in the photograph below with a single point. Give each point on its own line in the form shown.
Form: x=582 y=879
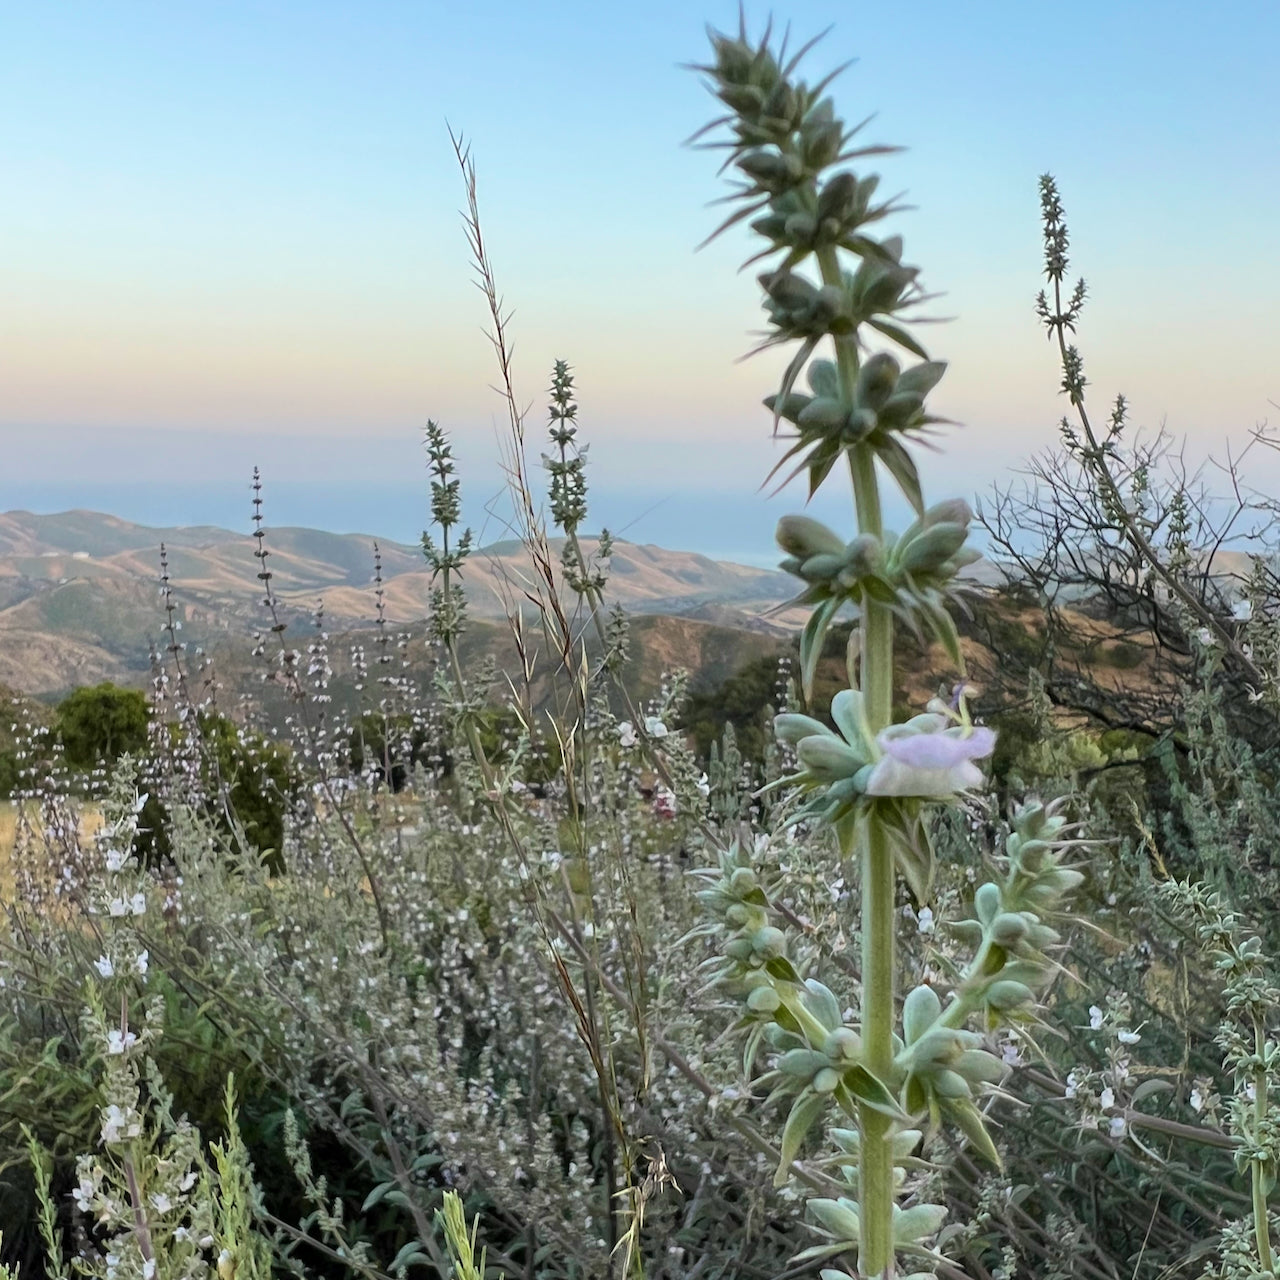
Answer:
x=79 y=589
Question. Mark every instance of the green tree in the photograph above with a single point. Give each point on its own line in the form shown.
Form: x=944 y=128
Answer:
x=100 y=723
x=381 y=742
x=256 y=776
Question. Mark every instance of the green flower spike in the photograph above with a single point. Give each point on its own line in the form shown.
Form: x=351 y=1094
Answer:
x=912 y=574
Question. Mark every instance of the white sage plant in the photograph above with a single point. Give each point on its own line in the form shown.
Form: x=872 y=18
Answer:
x=888 y=1070
x=153 y=1204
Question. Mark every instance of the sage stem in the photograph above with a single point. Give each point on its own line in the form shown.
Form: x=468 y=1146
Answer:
x=875 y=1173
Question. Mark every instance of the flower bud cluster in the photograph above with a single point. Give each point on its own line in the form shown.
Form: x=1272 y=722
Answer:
x=786 y=137
x=786 y=134
x=1012 y=914
x=942 y=1063
x=886 y=400
x=839 y=1222
x=912 y=573
x=568 y=495
x=736 y=900
x=445 y=559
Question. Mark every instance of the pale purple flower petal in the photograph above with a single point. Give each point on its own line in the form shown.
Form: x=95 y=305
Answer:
x=921 y=758
x=940 y=750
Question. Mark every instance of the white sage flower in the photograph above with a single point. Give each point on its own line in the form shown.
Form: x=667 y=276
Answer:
x=119 y=1124
x=930 y=757
x=119 y=1042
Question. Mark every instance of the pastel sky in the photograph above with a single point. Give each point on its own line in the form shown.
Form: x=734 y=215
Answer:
x=231 y=235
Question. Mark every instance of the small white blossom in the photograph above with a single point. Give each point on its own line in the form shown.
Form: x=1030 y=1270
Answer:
x=116 y=858
x=119 y=1124
x=104 y=967
x=1128 y=1037
x=1206 y=637
x=654 y=727
x=140 y=964
x=626 y=734
x=119 y=1041
x=925 y=921
x=1095 y=1018
x=1107 y=1098
x=1117 y=1126
x=1073 y=1083
x=1242 y=610
x=83 y=1194
x=1196 y=1100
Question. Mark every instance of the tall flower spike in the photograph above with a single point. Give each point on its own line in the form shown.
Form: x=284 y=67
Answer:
x=868 y=779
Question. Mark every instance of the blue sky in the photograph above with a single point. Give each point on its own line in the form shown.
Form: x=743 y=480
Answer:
x=232 y=236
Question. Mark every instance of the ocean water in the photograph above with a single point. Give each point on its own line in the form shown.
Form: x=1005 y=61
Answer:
x=722 y=526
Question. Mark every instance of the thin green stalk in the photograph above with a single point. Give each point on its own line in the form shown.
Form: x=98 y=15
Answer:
x=1258 y=1173
x=875 y=1181
x=875 y=1174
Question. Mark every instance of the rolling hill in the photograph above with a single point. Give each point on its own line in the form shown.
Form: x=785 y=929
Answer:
x=80 y=599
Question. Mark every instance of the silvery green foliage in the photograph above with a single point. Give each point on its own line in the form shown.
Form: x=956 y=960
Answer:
x=433 y=1039
x=161 y=1205
x=464 y=986
x=868 y=780
x=1194 y=877
x=1251 y=1057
